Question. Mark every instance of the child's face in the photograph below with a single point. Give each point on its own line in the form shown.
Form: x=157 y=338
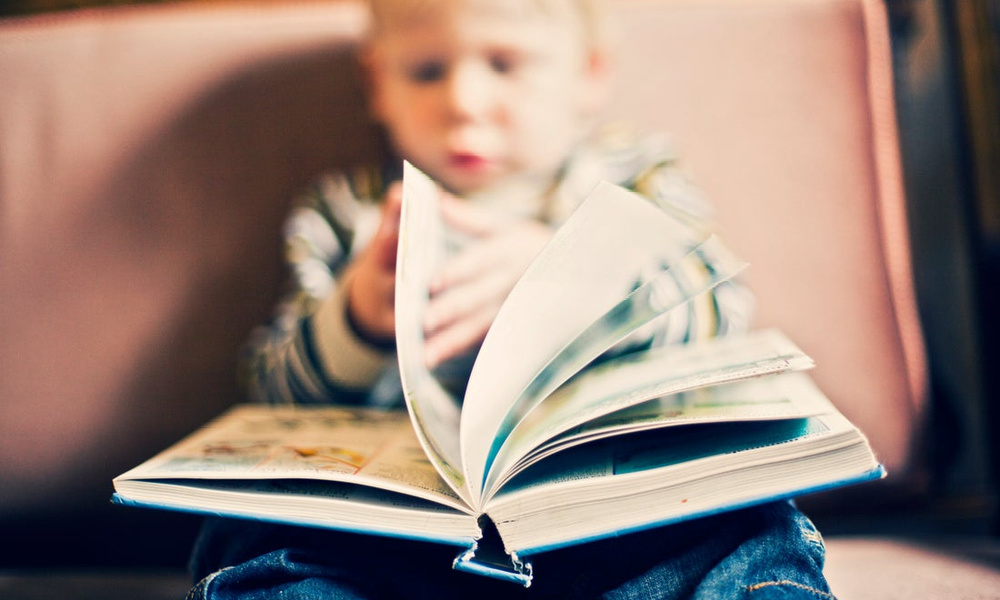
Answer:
x=476 y=96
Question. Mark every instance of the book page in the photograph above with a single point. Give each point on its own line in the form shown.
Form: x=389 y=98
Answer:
x=626 y=483
x=258 y=442
x=776 y=397
x=610 y=248
x=636 y=378
x=434 y=412
x=310 y=503
x=654 y=297
x=678 y=448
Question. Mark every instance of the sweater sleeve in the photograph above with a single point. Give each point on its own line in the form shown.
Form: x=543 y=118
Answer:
x=727 y=308
x=309 y=353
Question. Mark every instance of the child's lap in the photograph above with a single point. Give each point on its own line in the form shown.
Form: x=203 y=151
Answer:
x=770 y=551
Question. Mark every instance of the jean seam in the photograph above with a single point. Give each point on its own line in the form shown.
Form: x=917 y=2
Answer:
x=763 y=584
x=198 y=591
x=812 y=535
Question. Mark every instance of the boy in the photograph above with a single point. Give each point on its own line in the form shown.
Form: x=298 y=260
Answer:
x=494 y=99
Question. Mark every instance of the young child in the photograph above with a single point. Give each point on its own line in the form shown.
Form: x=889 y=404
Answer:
x=496 y=100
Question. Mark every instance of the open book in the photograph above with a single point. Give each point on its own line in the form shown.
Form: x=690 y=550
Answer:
x=558 y=439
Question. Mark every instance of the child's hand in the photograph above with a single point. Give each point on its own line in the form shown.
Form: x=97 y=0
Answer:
x=468 y=291
x=372 y=285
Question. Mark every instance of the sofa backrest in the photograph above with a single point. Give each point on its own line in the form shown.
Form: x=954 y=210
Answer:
x=147 y=158
x=784 y=112
x=148 y=154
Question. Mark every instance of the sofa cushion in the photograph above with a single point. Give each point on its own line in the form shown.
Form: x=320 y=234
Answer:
x=898 y=568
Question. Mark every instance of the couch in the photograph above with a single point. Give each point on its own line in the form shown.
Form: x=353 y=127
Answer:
x=147 y=158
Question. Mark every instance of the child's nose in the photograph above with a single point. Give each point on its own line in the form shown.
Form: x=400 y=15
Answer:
x=471 y=91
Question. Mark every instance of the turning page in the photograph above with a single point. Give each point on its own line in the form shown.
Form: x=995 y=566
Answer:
x=434 y=412
x=615 y=245
x=635 y=379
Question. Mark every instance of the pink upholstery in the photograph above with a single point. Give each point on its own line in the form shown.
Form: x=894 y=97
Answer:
x=783 y=111
x=147 y=156
x=888 y=568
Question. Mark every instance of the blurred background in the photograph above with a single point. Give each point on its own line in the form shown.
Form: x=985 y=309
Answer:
x=946 y=57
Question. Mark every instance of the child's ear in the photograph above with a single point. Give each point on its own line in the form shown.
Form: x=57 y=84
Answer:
x=598 y=76
x=371 y=71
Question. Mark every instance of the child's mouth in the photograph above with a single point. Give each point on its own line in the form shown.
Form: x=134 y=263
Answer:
x=468 y=161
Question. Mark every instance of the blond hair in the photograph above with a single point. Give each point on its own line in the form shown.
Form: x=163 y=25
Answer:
x=591 y=15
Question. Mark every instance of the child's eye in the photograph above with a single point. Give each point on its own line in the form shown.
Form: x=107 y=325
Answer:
x=427 y=72
x=502 y=64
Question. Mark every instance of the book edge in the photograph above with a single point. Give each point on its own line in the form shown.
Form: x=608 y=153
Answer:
x=878 y=472
x=119 y=499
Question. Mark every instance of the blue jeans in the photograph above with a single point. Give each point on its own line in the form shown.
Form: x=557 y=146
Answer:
x=765 y=552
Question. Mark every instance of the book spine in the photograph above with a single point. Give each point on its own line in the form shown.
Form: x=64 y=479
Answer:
x=487 y=557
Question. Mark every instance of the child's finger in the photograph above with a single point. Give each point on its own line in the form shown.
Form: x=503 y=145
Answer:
x=393 y=202
x=458 y=338
x=371 y=297
x=472 y=262
x=387 y=236
x=383 y=247
x=458 y=302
